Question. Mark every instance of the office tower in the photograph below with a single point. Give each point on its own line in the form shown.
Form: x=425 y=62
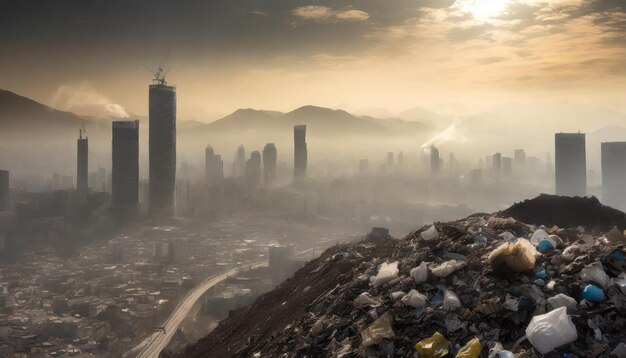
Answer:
x=162 y=138
x=239 y=165
x=570 y=164
x=213 y=166
x=519 y=159
x=614 y=174
x=82 y=166
x=270 y=156
x=4 y=190
x=364 y=165
x=390 y=159
x=496 y=162
x=300 y=153
x=435 y=162
x=507 y=165
x=253 y=169
x=125 y=165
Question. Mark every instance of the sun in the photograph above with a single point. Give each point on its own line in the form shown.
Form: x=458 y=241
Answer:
x=484 y=9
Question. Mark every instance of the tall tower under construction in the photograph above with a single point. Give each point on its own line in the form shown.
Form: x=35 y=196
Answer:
x=162 y=138
x=82 y=166
x=300 y=153
x=125 y=169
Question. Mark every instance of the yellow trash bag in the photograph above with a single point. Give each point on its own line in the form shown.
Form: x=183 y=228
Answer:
x=519 y=256
x=433 y=347
x=470 y=350
x=380 y=329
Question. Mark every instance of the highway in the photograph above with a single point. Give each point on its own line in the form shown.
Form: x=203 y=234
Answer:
x=152 y=346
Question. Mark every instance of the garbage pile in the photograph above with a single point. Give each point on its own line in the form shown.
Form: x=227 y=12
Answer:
x=484 y=286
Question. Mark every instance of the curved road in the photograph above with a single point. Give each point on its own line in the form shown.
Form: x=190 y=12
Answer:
x=152 y=346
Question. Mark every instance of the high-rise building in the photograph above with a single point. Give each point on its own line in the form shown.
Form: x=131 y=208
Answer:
x=496 y=162
x=125 y=165
x=253 y=169
x=507 y=165
x=82 y=166
x=401 y=161
x=239 y=165
x=614 y=174
x=162 y=102
x=570 y=164
x=300 y=153
x=4 y=190
x=519 y=159
x=270 y=157
x=213 y=166
x=435 y=161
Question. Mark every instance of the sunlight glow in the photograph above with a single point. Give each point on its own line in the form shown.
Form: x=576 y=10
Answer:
x=484 y=9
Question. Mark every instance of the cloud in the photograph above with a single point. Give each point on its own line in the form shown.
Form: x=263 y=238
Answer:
x=86 y=100
x=318 y=13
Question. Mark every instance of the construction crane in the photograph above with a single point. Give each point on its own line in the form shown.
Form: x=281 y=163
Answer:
x=160 y=73
x=82 y=130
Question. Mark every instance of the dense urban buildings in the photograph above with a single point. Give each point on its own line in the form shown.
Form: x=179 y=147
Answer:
x=213 y=166
x=82 y=166
x=4 y=190
x=239 y=165
x=496 y=162
x=125 y=164
x=162 y=142
x=519 y=159
x=570 y=164
x=300 y=153
x=270 y=157
x=614 y=174
x=253 y=169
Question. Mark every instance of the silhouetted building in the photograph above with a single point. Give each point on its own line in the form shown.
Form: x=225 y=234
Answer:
x=300 y=153
x=162 y=148
x=435 y=161
x=400 y=161
x=507 y=165
x=253 y=169
x=4 y=190
x=213 y=166
x=239 y=165
x=519 y=159
x=614 y=174
x=82 y=166
x=496 y=162
x=270 y=157
x=125 y=166
x=570 y=164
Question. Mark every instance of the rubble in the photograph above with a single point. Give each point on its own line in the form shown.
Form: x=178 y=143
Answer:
x=393 y=298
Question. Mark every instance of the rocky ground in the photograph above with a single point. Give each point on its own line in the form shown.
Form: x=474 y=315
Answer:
x=486 y=285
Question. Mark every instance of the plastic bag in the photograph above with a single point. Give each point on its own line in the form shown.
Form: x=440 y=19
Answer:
x=595 y=274
x=470 y=350
x=563 y=300
x=435 y=346
x=414 y=299
x=519 y=256
x=593 y=293
x=446 y=268
x=420 y=273
x=365 y=299
x=538 y=235
x=551 y=330
x=430 y=234
x=451 y=301
x=386 y=272
x=380 y=329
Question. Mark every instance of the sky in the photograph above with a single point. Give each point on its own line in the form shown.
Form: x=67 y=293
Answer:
x=92 y=56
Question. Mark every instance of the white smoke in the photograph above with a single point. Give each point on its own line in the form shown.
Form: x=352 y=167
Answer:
x=449 y=134
x=86 y=100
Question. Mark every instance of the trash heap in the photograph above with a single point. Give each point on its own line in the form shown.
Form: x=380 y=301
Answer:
x=484 y=286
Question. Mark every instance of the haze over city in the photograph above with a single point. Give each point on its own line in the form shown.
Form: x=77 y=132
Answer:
x=400 y=178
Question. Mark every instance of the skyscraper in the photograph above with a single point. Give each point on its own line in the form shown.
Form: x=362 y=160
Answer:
x=162 y=102
x=519 y=159
x=239 y=165
x=507 y=165
x=570 y=164
x=253 y=169
x=300 y=153
x=125 y=166
x=496 y=162
x=4 y=190
x=614 y=174
x=213 y=166
x=270 y=156
x=82 y=166
x=435 y=162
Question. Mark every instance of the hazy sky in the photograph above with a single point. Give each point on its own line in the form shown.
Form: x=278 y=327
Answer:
x=280 y=54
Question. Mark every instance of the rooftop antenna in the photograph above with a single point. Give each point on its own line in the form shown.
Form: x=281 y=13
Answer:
x=160 y=73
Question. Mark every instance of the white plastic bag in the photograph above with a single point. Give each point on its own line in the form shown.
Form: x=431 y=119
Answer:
x=430 y=234
x=386 y=272
x=551 y=330
x=365 y=299
x=451 y=301
x=563 y=300
x=420 y=273
x=539 y=235
x=595 y=274
x=414 y=299
x=446 y=268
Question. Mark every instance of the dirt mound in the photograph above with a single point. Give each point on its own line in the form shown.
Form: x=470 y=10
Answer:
x=565 y=211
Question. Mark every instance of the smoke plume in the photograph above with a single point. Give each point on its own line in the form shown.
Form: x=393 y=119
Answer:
x=86 y=100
